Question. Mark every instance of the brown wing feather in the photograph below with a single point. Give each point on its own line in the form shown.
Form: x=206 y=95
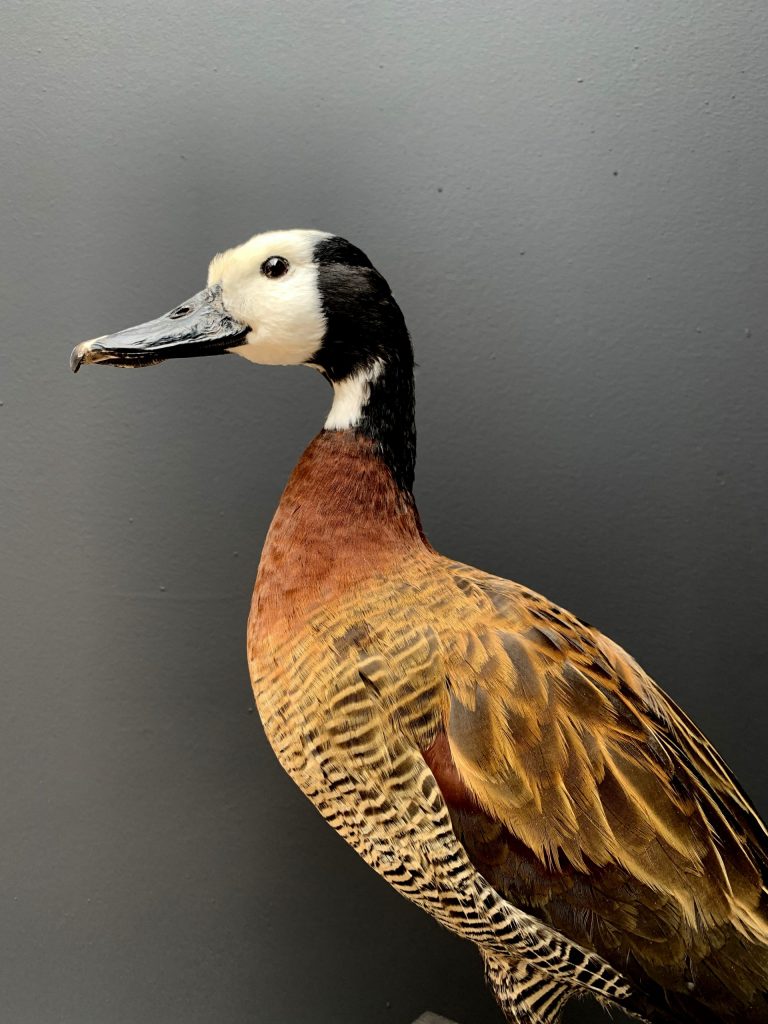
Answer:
x=584 y=793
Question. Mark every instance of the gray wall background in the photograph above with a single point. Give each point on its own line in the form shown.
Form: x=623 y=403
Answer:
x=569 y=200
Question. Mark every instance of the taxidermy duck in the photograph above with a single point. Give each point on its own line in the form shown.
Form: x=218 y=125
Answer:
x=499 y=762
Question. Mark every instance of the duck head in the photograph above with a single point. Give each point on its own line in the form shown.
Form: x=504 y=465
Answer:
x=281 y=298
x=292 y=297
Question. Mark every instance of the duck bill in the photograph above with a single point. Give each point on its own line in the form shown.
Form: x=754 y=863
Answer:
x=199 y=327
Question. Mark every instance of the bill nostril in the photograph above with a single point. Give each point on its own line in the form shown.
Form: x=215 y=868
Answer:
x=180 y=311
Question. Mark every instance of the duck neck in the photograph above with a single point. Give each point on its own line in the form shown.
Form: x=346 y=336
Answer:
x=376 y=402
x=342 y=518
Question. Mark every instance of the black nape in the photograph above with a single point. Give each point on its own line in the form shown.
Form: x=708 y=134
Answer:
x=365 y=327
x=388 y=418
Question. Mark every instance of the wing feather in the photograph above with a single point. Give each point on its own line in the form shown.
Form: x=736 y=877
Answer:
x=596 y=800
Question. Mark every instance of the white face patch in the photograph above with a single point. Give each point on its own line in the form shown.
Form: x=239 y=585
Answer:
x=350 y=396
x=285 y=313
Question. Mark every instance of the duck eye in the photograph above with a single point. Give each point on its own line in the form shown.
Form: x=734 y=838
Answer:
x=275 y=266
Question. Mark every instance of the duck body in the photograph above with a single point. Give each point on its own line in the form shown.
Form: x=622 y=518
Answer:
x=499 y=762
x=486 y=753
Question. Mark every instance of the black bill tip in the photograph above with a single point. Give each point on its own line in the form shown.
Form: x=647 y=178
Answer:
x=76 y=358
x=87 y=352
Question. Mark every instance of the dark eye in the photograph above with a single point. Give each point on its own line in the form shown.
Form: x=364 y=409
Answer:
x=275 y=266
